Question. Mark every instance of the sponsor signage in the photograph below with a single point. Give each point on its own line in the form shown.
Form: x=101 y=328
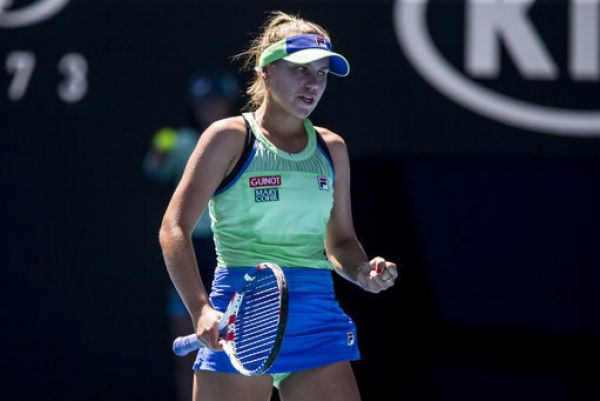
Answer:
x=30 y=14
x=490 y=25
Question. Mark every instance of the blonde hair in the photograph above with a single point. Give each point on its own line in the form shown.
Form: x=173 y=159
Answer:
x=278 y=26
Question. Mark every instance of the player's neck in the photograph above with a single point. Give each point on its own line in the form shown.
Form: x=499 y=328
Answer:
x=278 y=122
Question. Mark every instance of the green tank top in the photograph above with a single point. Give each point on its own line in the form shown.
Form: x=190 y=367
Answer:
x=277 y=206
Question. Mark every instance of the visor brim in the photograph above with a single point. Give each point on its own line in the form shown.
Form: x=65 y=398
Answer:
x=338 y=65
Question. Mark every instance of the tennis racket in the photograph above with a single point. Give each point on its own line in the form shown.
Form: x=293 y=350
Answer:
x=253 y=324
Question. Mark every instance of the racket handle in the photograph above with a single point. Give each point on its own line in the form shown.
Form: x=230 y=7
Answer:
x=184 y=345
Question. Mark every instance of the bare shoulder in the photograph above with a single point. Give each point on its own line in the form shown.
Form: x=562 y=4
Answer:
x=221 y=144
x=335 y=142
x=223 y=137
x=228 y=130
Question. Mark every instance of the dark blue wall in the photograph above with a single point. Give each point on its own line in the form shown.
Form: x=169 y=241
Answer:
x=496 y=226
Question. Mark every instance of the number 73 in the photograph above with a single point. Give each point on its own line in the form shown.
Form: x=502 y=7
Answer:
x=72 y=66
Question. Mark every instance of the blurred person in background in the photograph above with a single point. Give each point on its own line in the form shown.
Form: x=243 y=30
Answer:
x=211 y=96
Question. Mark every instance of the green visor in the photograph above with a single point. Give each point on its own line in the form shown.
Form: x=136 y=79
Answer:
x=303 y=49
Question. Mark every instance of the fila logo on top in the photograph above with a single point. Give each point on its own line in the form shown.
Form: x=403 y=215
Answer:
x=493 y=24
x=323 y=183
x=32 y=13
x=320 y=41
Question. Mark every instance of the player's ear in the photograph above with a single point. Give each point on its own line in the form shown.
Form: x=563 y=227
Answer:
x=264 y=72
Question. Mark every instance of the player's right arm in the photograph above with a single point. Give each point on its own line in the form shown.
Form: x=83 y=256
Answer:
x=215 y=155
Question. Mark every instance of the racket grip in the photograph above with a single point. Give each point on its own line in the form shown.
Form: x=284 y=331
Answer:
x=184 y=345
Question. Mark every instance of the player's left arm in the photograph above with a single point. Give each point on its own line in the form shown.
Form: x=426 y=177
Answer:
x=343 y=248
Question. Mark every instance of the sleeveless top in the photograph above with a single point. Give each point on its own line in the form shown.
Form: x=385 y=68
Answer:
x=274 y=206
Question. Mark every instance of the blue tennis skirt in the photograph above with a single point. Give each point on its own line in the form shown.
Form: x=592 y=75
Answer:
x=318 y=331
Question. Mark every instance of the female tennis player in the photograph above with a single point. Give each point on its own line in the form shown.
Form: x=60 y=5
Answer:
x=278 y=190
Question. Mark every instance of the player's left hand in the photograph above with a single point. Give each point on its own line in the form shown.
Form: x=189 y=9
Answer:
x=377 y=275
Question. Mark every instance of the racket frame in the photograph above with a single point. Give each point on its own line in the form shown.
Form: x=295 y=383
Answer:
x=227 y=321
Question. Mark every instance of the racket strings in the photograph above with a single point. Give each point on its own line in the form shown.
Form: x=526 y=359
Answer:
x=260 y=350
x=260 y=302
x=253 y=322
x=256 y=335
x=246 y=361
x=257 y=322
x=268 y=319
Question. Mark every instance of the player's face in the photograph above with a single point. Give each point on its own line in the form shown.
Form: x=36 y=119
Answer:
x=297 y=88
